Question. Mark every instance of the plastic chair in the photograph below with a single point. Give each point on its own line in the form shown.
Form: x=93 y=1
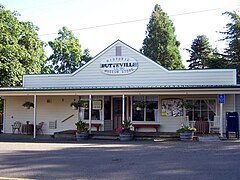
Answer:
x=39 y=127
x=16 y=125
x=214 y=126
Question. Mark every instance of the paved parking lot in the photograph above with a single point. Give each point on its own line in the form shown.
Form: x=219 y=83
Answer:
x=117 y=160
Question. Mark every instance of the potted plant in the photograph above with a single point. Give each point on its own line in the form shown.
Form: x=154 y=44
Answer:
x=82 y=131
x=139 y=105
x=186 y=133
x=28 y=104
x=151 y=106
x=126 y=134
x=76 y=104
x=187 y=104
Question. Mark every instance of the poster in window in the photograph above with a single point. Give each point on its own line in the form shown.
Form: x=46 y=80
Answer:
x=172 y=107
x=97 y=104
x=85 y=104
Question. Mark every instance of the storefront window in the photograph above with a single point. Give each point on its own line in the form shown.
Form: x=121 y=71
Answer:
x=151 y=108
x=96 y=110
x=107 y=107
x=144 y=108
x=138 y=108
x=202 y=110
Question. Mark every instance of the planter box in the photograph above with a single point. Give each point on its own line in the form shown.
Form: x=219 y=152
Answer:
x=82 y=136
x=186 y=136
x=125 y=137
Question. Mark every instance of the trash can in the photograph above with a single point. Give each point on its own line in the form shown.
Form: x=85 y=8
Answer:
x=232 y=123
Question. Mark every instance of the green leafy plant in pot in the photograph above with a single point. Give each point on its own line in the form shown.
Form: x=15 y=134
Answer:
x=187 y=104
x=28 y=105
x=186 y=133
x=139 y=105
x=126 y=134
x=82 y=131
x=76 y=104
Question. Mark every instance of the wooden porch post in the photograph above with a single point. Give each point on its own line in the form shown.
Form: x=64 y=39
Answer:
x=34 y=116
x=90 y=114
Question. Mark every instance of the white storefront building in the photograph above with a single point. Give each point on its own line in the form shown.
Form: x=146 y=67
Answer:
x=112 y=84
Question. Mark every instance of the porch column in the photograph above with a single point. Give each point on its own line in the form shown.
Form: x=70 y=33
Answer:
x=90 y=114
x=34 y=116
x=123 y=108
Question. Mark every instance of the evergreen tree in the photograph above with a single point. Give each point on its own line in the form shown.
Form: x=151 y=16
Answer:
x=232 y=38
x=200 y=53
x=160 y=43
x=216 y=61
x=67 y=56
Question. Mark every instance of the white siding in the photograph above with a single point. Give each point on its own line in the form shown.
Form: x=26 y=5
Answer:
x=148 y=74
x=57 y=110
x=237 y=105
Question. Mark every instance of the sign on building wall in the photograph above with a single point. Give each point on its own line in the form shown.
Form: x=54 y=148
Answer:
x=118 y=65
x=172 y=107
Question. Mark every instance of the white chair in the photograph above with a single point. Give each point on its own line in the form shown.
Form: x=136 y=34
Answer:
x=214 y=126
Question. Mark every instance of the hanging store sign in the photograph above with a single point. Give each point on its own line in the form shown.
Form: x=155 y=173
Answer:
x=118 y=65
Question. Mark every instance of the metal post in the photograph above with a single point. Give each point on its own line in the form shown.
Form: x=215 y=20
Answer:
x=90 y=113
x=34 y=116
x=221 y=119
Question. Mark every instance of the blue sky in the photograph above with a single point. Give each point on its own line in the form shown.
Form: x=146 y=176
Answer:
x=79 y=15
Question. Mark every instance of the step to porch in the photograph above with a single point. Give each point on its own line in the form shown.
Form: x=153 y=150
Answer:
x=209 y=139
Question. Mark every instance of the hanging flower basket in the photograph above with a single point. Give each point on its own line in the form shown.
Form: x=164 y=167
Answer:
x=28 y=105
x=139 y=105
x=76 y=104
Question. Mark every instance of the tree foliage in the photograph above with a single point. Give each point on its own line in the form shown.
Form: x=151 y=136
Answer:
x=231 y=53
x=200 y=53
x=67 y=56
x=216 y=61
x=160 y=43
x=232 y=38
x=21 y=51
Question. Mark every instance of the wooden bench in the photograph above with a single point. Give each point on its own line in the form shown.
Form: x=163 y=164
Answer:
x=96 y=125
x=136 y=126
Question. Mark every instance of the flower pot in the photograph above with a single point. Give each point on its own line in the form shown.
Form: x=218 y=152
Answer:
x=126 y=136
x=138 y=108
x=74 y=108
x=82 y=135
x=186 y=136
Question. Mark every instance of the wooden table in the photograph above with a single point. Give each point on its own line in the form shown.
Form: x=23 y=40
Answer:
x=27 y=129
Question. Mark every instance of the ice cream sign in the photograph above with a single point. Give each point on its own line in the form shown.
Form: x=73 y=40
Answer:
x=118 y=65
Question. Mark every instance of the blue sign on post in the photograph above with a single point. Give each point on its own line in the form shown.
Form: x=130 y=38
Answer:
x=221 y=99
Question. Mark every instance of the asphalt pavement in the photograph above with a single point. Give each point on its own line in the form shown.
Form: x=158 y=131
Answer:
x=101 y=159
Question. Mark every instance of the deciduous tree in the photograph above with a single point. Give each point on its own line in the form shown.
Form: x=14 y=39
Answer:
x=67 y=55
x=21 y=51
